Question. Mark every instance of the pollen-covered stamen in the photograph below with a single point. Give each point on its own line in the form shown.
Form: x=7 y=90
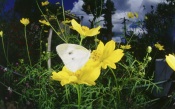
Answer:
x=95 y=55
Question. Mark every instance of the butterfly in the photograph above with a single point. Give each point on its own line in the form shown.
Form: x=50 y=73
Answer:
x=73 y=56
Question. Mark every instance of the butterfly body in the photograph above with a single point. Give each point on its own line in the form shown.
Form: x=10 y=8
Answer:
x=73 y=56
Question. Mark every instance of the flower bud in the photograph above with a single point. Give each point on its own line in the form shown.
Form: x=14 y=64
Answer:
x=149 y=49
x=149 y=58
x=1 y=33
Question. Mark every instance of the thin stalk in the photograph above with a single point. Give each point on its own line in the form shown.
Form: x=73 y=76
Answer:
x=50 y=24
x=81 y=40
x=113 y=75
x=67 y=94
x=62 y=3
x=12 y=89
x=78 y=88
x=49 y=48
x=59 y=26
x=27 y=45
x=4 y=50
x=40 y=46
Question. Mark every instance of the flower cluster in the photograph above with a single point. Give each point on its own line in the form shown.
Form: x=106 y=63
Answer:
x=104 y=56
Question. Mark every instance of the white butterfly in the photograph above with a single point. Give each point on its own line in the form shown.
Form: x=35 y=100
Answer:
x=73 y=56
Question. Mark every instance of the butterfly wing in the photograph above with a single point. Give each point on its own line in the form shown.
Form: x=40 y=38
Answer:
x=73 y=56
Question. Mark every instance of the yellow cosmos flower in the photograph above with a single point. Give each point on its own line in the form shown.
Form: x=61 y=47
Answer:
x=1 y=33
x=125 y=46
x=158 y=46
x=25 y=21
x=44 y=3
x=130 y=15
x=106 y=55
x=170 y=59
x=86 y=75
x=44 y=22
x=84 y=30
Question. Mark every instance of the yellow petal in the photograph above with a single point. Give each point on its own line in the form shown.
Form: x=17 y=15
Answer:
x=93 y=31
x=90 y=73
x=118 y=54
x=100 y=46
x=77 y=27
x=65 y=76
x=109 y=63
x=130 y=15
x=170 y=59
x=109 y=48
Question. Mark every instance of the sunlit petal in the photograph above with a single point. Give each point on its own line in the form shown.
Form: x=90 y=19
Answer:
x=170 y=59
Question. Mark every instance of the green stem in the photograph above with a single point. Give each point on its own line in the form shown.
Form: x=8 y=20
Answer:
x=12 y=89
x=78 y=88
x=67 y=94
x=50 y=24
x=4 y=50
x=27 y=45
x=117 y=86
x=81 y=40
x=113 y=75
x=62 y=3
x=40 y=46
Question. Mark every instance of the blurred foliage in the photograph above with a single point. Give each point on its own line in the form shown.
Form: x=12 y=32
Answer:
x=100 y=8
x=160 y=25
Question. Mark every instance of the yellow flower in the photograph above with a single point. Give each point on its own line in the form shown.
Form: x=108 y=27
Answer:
x=25 y=21
x=44 y=3
x=125 y=46
x=1 y=33
x=106 y=55
x=84 y=30
x=170 y=59
x=44 y=22
x=86 y=75
x=130 y=15
x=158 y=46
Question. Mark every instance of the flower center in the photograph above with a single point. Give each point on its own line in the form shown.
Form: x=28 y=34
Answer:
x=84 y=28
x=96 y=55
